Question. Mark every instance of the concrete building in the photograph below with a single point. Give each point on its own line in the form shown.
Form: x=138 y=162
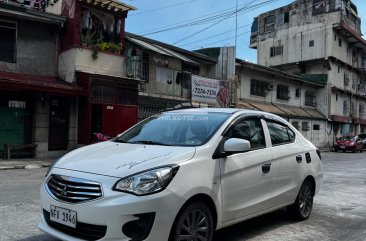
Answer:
x=35 y=106
x=320 y=41
x=287 y=95
x=169 y=75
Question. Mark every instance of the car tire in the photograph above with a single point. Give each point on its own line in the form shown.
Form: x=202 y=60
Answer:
x=303 y=205
x=194 y=222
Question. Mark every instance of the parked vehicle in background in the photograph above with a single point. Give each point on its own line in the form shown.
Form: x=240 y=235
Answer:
x=349 y=143
x=363 y=139
x=181 y=175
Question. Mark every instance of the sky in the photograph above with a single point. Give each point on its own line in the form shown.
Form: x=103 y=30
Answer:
x=195 y=24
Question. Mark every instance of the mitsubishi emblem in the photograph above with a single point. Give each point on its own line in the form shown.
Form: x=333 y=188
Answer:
x=64 y=192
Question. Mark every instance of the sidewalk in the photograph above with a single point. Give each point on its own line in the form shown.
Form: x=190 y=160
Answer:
x=29 y=163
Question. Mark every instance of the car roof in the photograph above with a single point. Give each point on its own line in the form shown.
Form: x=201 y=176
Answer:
x=216 y=110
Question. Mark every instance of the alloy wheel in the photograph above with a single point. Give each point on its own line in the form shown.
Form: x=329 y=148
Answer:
x=195 y=226
x=305 y=201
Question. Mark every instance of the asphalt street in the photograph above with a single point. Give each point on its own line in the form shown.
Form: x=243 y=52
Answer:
x=339 y=211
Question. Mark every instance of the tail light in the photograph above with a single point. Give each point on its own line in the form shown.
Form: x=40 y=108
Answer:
x=318 y=152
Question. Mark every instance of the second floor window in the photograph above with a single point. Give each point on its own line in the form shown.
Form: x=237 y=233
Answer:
x=310 y=98
x=274 y=51
x=258 y=87
x=8 y=41
x=282 y=92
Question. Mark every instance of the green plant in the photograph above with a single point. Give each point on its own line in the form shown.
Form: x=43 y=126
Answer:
x=103 y=46
x=115 y=48
x=95 y=53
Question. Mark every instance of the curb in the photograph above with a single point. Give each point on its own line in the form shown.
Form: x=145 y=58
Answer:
x=28 y=166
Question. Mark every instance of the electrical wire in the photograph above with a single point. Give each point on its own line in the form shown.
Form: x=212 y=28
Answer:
x=164 y=7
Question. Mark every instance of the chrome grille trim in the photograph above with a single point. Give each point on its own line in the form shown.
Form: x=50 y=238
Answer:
x=73 y=190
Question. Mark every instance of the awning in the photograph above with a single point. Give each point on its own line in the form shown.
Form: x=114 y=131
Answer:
x=315 y=113
x=264 y=106
x=49 y=84
x=294 y=111
x=159 y=49
x=244 y=105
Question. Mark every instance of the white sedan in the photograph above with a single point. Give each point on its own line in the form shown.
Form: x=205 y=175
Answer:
x=181 y=175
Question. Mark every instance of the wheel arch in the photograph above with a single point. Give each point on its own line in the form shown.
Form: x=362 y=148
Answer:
x=312 y=181
x=203 y=198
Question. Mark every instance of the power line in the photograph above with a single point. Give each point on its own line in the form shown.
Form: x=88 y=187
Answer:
x=202 y=30
x=200 y=40
x=164 y=7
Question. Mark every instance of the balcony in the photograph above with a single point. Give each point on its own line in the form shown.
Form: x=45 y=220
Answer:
x=316 y=78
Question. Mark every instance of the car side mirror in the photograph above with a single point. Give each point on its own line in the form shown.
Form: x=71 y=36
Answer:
x=236 y=145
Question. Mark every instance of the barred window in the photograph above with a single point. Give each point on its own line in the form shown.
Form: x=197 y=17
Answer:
x=274 y=51
x=282 y=92
x=310 y=98
x=258 y=87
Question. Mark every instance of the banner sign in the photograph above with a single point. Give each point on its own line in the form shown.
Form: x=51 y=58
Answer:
x=210 y=91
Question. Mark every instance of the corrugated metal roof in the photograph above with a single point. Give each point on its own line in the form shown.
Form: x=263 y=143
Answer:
x=264 y=106
x=315 y=113
x=294 y=111
x=110 y=5
x=244 y=105
x=159 y=49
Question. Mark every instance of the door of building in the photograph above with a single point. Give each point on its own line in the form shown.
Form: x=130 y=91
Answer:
x=59 y=124
x=118 y=118
x=11 y=126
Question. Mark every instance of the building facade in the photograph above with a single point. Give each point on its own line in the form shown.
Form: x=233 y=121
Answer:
x=35 y=106
x=92 y=56
x=169 y=76
x=290 y=96
x=320 y=41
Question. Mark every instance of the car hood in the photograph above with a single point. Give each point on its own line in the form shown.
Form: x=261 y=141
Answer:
x=122 y=159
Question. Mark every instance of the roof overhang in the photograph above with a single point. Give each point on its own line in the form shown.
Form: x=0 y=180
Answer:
x=192 y=56
x=49 y=84
x=352 y=36
x=113 y=6
x=21 y=12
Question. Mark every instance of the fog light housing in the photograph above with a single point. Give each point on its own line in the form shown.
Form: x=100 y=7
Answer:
x=139 y=229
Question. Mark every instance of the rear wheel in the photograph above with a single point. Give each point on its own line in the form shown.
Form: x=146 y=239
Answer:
x=194 y=223
x=303 y=205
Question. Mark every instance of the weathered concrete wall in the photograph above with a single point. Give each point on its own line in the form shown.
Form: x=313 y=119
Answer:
x=36 y=48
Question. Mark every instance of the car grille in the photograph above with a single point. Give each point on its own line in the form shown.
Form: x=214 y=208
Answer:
x=82 y=231
x=73 y=190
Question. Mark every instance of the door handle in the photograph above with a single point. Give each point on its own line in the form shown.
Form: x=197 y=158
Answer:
x=299 y=158
x=266 y=168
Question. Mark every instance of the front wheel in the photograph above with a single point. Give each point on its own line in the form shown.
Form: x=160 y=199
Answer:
x=193 y=223
x=303 y=205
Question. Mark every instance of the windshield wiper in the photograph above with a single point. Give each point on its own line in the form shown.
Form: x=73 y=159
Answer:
x=149 y=142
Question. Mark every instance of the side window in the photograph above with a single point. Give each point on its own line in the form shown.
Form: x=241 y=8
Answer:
x=250 y=130
x=280 y=134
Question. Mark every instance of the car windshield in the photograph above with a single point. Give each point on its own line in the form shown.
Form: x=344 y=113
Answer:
x=347 y=138
x=175 y=129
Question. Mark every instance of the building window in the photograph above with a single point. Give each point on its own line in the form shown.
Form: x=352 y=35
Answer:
x=310 y=98
x=340 y=42
x=282 y=92
x=269 y=23
x=305 y=126
x=336 y=97
x=295 y=124
x=316 y=127
x=145 y=67
x=311 y=43
x=8 y=32
x=298 y=92
x=319 y=6
x=283 y=18
x=258 y=87
x=276 y=51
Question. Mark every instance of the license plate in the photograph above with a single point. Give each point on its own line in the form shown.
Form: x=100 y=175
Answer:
x=342 y=147
x=64 y=216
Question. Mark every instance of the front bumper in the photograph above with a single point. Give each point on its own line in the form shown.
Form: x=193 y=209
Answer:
x=112 y=211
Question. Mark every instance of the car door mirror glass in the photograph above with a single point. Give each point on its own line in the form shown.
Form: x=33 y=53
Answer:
x=236 y=145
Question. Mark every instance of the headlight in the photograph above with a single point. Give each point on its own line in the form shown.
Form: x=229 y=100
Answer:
x=147 y=182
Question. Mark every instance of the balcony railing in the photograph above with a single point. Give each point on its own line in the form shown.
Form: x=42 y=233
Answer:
x=316 y=78
x=37 y=5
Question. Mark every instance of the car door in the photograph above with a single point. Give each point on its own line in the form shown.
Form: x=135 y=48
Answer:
x=288 y=163
x=246 y=178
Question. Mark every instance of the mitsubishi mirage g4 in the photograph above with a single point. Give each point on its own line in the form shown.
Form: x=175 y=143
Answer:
x=181 y=175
